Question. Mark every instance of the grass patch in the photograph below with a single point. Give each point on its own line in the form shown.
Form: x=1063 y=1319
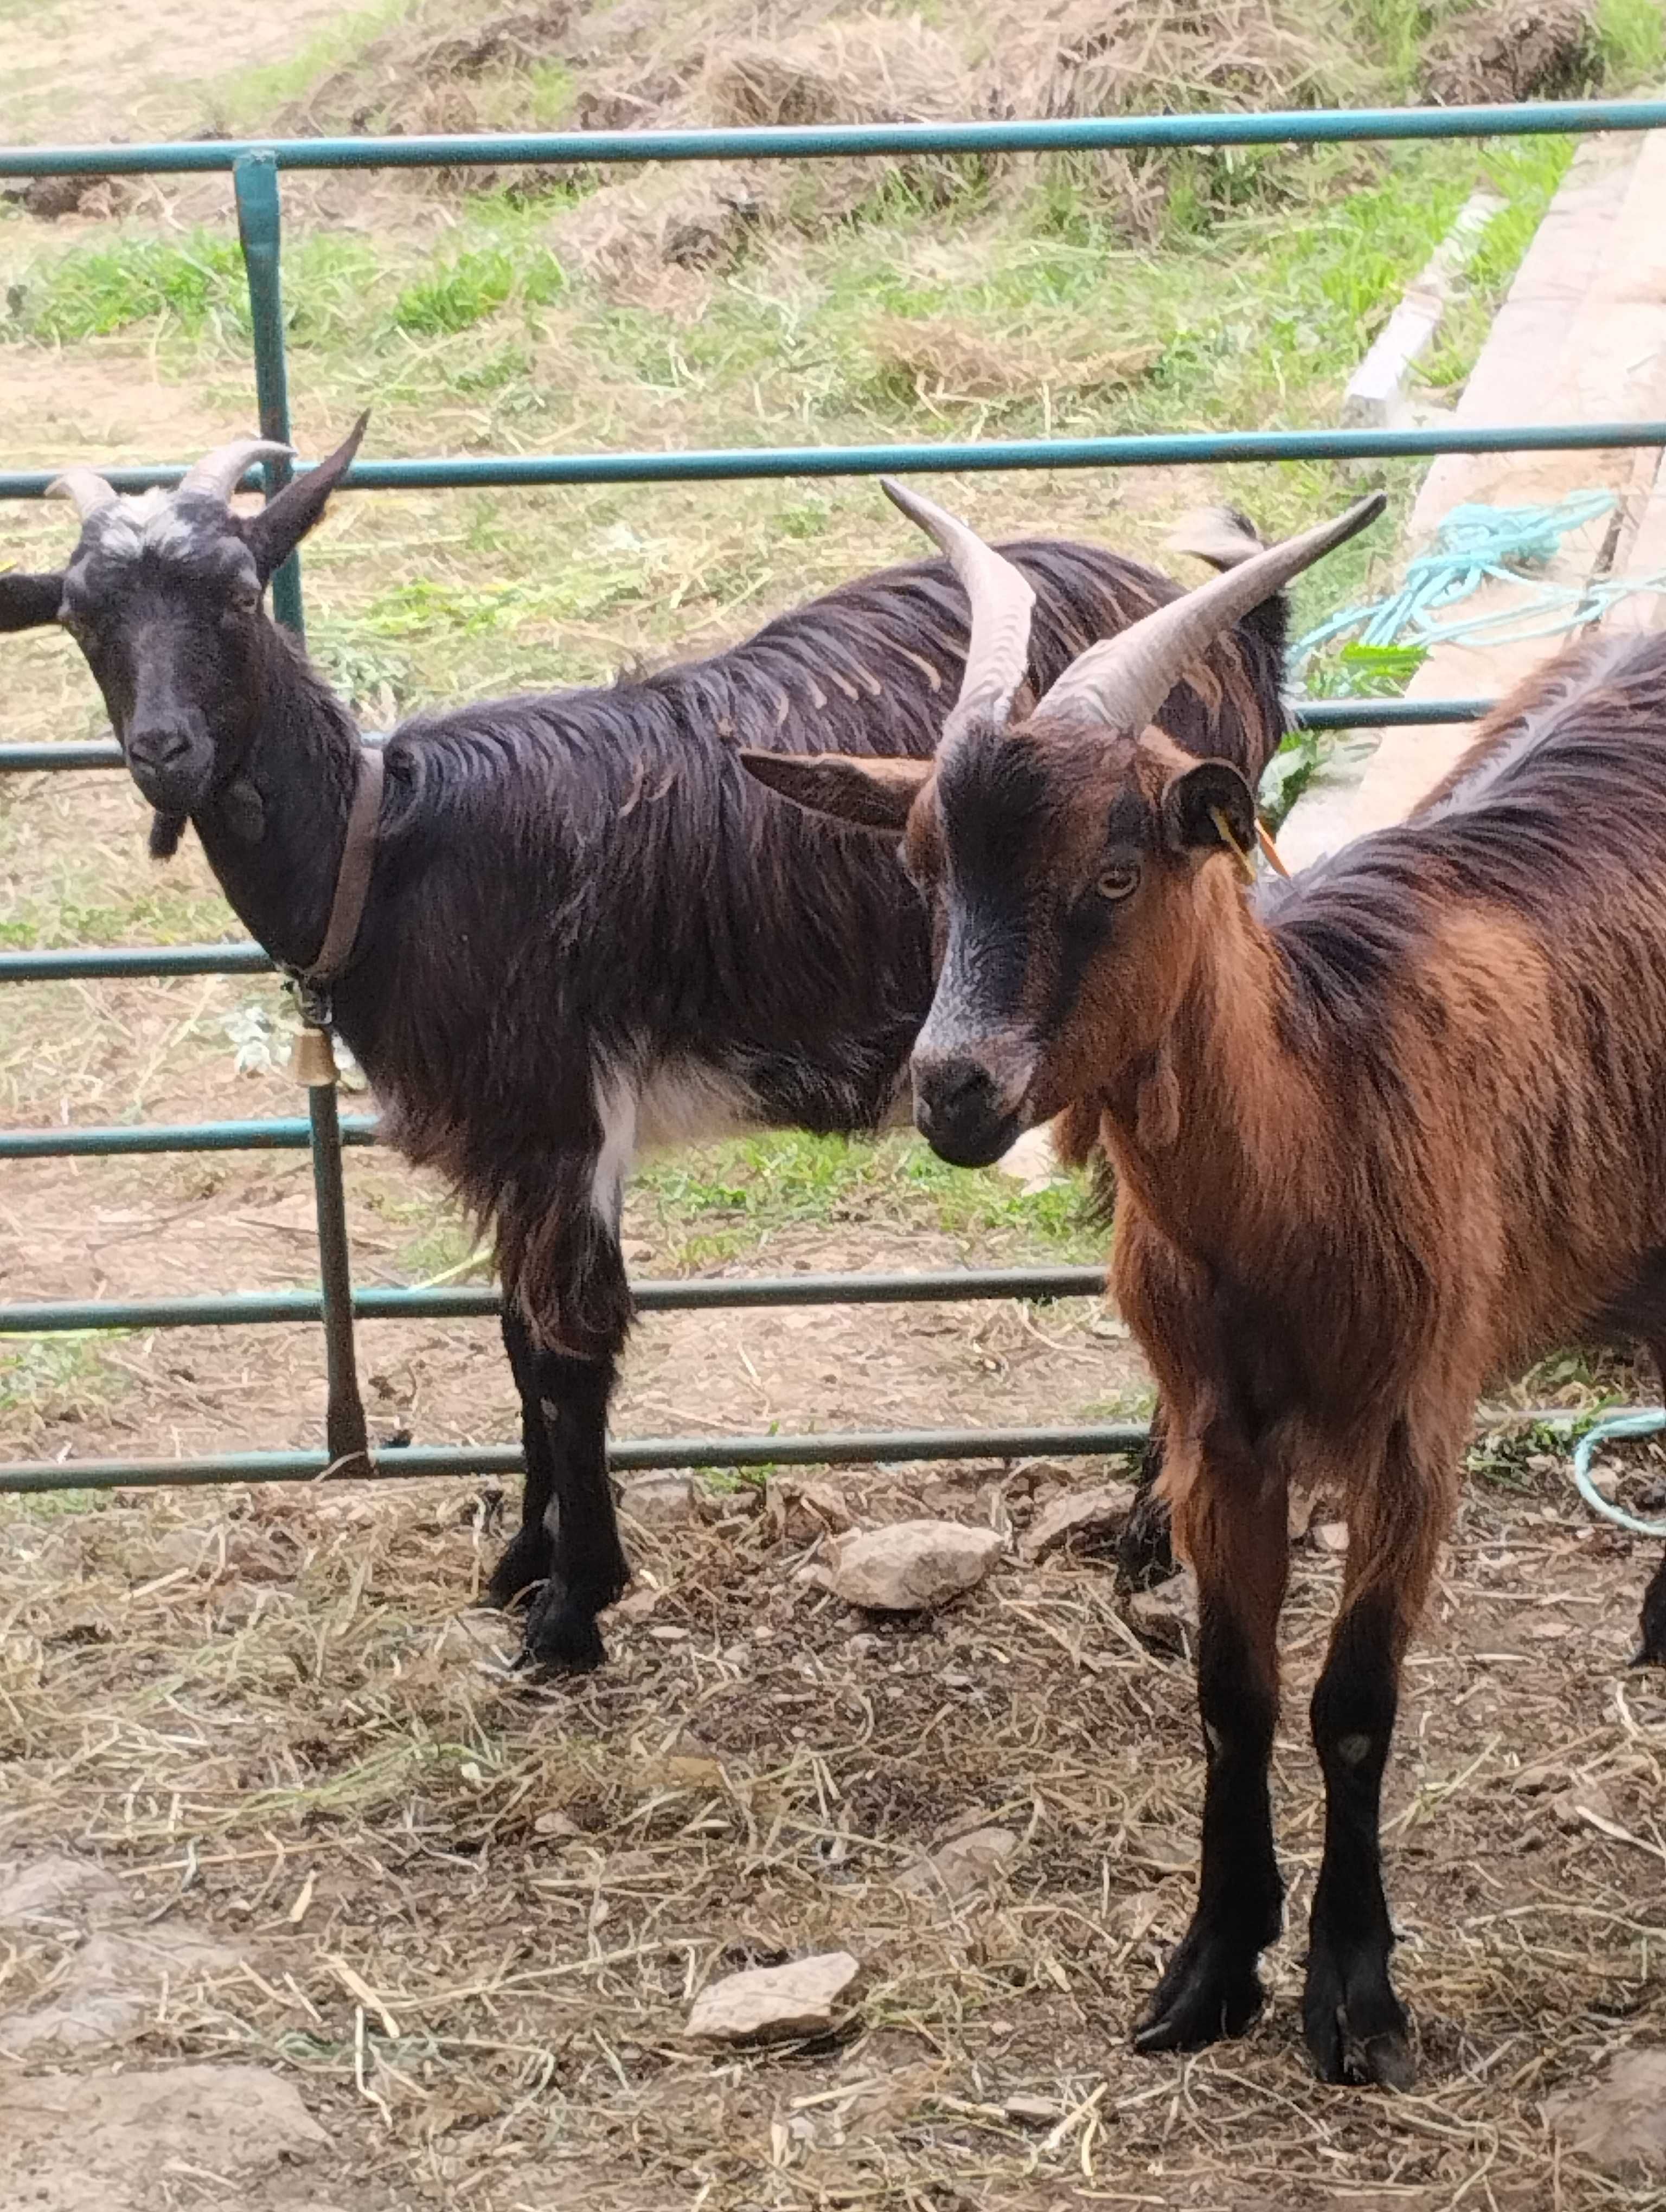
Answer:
x=726 y=1200
x=56 y=1378
x=475 y=284
x=1527 y=173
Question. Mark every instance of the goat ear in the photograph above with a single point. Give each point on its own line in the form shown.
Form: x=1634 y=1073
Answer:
x=869 y=794
x=29 y=602
x=1198 y=802
x=273 y=534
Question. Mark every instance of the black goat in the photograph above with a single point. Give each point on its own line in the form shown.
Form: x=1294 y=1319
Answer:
x=587 y=930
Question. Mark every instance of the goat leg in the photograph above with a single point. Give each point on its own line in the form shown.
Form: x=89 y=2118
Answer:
x=1356 y=2027
x=526 y=1564
x=588 y=1566
x=1652 y=1651
x=1233 y=1529
x=1145 y=1551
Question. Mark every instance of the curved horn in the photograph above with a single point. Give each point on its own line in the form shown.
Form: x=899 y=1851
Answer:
x=998 y=651
x=218 y=474
x=90 y=491
x=1123 y=680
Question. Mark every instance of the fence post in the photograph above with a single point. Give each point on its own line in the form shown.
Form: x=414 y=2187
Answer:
x=260 y=232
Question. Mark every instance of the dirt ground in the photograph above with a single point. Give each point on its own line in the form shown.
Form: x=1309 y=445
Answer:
x=308 y=1901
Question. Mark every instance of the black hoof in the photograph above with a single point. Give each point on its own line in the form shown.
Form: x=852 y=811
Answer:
x=1210 y=1990
x=1652 y=1651
x=523 y=1566
x=1144 y=1552
x=562 y=1635
x=1356 y=2028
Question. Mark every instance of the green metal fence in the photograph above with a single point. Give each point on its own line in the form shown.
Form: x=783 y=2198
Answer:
x=255 y=170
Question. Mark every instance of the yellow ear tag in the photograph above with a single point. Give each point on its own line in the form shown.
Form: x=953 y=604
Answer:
x=1227 y=839
x=1269 y=850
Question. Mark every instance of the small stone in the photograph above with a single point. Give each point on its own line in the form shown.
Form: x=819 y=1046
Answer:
x=1619 y=2122
x=1583 y=1805
x=1331 y=1535
x=638 y=1604
x=1034 y=2112
x=1134 y=1916
x=112 y=1988
x=804 y=1510
x=1166 y=1618
x=768 y=2003
x=668 y=1633
x=911 y=1565
x=1161 y=1850
x=556 y=1825
x=658 y=1501
x=48 y=1886
x=965 y=1864
x=1079 y=1513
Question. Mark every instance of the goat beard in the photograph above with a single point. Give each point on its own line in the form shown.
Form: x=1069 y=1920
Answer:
x=165 y=831
x=1157 y=1106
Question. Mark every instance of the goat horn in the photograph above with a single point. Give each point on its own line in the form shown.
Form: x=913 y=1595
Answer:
x=218 y=474
x=998 y=651
x=91 y=492
x=1123 y=680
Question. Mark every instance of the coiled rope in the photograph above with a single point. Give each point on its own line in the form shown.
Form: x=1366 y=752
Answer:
x=1647 y=1424
x=1475 y=545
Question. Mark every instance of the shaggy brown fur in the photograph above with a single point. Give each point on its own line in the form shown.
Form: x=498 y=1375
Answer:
x=1377 y=1135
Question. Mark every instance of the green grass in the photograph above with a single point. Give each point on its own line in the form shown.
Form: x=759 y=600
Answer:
x=1527 y=173
x=1631 y=34
x=138 y=912
x=727 y=1200
x=246 y=101
x=475 y=284
x=57 y=1378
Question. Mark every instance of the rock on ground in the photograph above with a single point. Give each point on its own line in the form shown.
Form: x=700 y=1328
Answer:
x=105 y=2141
x=658 y=1501
x=1094 y=1512
x=105 y=1979
x=1618 y=2122
x=1166 y=1618
x=767 y=2003
x=965 y=1864
x=111 y=1988
x=911 y=1565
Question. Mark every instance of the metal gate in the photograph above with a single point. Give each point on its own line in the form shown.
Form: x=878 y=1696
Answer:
x=255 y=171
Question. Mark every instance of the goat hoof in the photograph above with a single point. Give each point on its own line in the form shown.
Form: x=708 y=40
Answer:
x=1145 y=1554
x=523 y=1566
x=562 y=1635
x=1209 y=1991
x=1356 y=2028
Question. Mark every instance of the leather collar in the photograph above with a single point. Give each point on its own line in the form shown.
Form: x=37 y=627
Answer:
x=358 y=857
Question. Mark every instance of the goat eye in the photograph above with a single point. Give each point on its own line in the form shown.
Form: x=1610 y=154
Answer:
x=1117 y=882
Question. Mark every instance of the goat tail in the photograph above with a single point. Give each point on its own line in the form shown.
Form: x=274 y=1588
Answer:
x=1222 y=536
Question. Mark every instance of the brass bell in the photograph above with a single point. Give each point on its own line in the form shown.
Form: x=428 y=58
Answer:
x=313 y=1059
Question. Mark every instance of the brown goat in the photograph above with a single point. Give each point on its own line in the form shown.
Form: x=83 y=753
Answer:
x=1379 y=1136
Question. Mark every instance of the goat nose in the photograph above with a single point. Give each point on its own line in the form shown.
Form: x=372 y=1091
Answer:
x=958 y=1110
x=948 y=1087
x=160 y=744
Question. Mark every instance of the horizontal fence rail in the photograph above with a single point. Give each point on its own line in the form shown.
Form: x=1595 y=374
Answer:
x=1304 y=714
x=640 y=1454
x=742 y=464
x=256 y=167
x=471 y=1301
x=1069 y=134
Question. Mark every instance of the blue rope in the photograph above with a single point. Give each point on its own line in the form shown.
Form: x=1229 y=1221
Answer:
x=1477 y=545
x=1648 y=1424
